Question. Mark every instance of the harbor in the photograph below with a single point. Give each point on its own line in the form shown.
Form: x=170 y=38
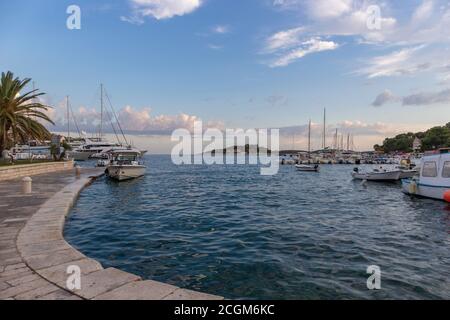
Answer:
x=224 y=159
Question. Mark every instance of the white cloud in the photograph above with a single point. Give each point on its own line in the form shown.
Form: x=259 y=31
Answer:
x=311 y=46
x=221 y=29
x=401 y=62
x=132 y=120
x=215 y=46
x=423 y=12
x=284 y=39
x=161 y=9
x=325 y=9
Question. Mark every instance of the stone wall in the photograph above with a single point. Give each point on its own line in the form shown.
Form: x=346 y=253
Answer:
x=26 y=170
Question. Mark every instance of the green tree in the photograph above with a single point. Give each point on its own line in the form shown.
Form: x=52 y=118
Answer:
x=402 y=142
x=20 y=113
x=437 y=137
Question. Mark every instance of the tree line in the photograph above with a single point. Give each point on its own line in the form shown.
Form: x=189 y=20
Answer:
x=434 y=138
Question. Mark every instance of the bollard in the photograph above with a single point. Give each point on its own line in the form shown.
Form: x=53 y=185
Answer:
x=77 y=170
x=26 y=185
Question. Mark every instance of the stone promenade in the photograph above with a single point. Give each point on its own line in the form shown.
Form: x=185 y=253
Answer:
x=34 y=257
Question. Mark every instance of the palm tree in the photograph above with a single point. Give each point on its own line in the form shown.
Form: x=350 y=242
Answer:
x=20 y=113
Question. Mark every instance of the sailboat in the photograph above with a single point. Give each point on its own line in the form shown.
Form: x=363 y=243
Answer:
x=306 y=167
x=96 y=148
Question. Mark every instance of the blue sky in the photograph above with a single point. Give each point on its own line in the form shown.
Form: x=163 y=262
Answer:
x=251 y=64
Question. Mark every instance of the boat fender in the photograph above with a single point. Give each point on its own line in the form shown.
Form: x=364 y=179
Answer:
x=413 y=187
x=447 y=196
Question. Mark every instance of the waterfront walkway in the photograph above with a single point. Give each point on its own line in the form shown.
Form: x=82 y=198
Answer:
x=34 y=257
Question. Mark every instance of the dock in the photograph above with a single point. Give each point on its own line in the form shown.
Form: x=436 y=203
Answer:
x=35 y=260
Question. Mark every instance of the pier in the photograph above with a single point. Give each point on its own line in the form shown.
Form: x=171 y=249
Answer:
x=34 y=257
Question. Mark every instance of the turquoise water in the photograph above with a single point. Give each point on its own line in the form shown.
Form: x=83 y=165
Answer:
x=227 y=230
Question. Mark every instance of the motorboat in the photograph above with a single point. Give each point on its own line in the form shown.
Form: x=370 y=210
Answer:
x=407 y=172
x=377 y=174
x=308 y=168
x=105 y=153
x=434 y=179
x=125 y=164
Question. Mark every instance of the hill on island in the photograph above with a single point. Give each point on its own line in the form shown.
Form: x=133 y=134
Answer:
x=434 y=138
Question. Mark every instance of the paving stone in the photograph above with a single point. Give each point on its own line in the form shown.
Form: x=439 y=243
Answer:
x=12 y=273
x=47 y=260
x=184 y=294
x=23 y=279
x=14 y=291
x=58 y=274
x=15 y=266
x=139 y=290
x=11 y=261
x=60 y=294
x=39 y=248
x=103 y=281
x=38 y=292
x=4 y=285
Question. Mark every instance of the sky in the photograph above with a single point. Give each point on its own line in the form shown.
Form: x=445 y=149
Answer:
x=379 y=67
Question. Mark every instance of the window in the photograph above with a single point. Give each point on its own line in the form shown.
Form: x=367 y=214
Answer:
x=446 y=170
x=429 y=169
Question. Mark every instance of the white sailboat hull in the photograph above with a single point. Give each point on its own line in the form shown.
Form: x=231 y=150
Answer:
x=124 y=172
x=378 y=176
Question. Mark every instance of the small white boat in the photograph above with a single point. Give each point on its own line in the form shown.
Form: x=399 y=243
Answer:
x=377 y=175
x=434 y=179
x=308 y=168
x=125 y=165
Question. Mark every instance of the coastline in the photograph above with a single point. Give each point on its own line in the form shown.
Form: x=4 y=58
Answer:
x=35 y=256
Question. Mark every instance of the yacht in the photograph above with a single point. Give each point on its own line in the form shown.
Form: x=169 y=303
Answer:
x=377 y=174
x=125 y=164
x=87 y=150
x=434 y=179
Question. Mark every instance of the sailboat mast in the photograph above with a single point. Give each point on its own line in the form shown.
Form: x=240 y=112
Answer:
x=309 y=138
x=68 y=118
x=101 y=110
x=324 y=127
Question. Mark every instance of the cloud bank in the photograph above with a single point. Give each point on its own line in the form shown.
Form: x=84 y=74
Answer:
x=160 y=9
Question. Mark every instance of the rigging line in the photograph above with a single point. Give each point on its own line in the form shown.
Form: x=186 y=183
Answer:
x=115 y=116
x=74 y=119
x=114 y=128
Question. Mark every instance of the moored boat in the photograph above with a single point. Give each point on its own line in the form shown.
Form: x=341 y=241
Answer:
x=125 y=165
x=434 y=179
x=380 y=174
x=308 y=168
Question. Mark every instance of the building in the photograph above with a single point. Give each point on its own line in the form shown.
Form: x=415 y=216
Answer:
x=417 y=144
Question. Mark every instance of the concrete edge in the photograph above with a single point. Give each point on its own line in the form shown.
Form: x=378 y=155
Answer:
x=44 y=250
